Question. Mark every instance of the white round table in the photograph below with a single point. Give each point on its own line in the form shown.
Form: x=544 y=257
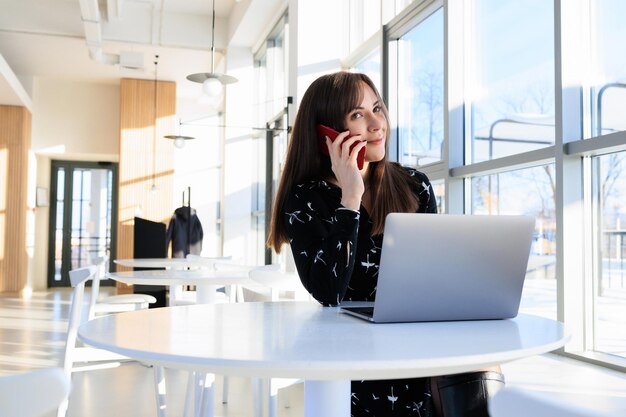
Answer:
x=157 y=262
x=207 y=281
x=319 y=344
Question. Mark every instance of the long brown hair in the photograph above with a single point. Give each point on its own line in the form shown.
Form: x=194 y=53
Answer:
x=327 y=101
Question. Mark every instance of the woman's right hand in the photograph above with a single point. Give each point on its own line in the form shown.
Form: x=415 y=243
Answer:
x=345 y=168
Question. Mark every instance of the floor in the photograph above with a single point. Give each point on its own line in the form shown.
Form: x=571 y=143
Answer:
x=32 y=336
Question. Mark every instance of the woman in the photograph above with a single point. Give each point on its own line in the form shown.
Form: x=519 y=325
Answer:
x=332 y=214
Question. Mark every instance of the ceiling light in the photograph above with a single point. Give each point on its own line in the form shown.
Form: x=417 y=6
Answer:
x=153 y=187
x=212 y=82
x=212 y=87
x=179 y=140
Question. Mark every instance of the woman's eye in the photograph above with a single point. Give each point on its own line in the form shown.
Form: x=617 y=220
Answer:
x=377 y=109
x=356 y=115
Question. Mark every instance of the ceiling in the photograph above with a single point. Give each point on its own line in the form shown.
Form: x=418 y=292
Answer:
x=103 y=41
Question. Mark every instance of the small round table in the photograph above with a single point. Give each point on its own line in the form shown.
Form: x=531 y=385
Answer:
x=206 y=281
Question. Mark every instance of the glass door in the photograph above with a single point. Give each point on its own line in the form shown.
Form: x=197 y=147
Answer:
x=83 y=211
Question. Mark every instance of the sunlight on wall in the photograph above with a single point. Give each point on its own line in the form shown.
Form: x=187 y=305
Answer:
x=52 y=150
x=4 y=165
x=2 y=234
x=145 y=169
x=145 y=156
x=31 y=205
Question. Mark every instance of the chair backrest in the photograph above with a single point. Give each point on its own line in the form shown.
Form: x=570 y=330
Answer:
x=82 y=275
x=34 y=393
x=100 y=264
x=78 y=278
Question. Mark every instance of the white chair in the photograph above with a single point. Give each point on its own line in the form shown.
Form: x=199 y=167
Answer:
x=515 y=402
x=277 y=280
x=34 y=393
x=99 y=305
x=234 y=292
x=78 y=357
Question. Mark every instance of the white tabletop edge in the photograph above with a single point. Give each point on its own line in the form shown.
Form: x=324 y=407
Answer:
x=327 y=370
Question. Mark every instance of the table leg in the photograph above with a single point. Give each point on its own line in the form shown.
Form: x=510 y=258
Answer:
x=327 y=398
x=206 y=395
x=176 y=293
x=207 y=403
x=190 y=395
x=199 y=400
x=206 y=294
x=159 y=384
x=257 y=396
x=224 y=389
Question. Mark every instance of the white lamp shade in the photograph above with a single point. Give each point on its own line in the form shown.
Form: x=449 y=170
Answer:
x=179 y=142
x=212 y=87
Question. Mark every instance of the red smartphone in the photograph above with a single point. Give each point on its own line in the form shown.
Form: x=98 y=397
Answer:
x=324 y=131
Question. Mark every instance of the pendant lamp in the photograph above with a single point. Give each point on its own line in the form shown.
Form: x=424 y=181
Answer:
x=153 y=187
x=179 y=140
x=212 y=82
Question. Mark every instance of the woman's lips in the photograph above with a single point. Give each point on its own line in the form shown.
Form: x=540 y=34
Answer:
x=374 y=141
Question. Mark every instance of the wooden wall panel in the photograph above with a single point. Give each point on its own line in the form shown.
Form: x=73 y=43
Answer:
x=139 y=167
x=15 y=143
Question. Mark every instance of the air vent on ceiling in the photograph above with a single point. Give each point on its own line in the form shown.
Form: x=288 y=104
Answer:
x=131 y=60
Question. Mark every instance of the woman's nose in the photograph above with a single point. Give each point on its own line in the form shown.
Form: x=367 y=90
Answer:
x=374 y=124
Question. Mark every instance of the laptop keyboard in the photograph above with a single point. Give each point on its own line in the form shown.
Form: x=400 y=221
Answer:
x=366 y=311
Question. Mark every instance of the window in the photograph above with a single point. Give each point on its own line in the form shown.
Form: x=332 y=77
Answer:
x=365 y=20
x=511 y=79
x=417 y=98
x=271 y=113
x=370 y=66
x=520 y=124
x=609 y=66
x=439 y=188
x=391 y=8
x=528 y=192
x=420 y=116
x=609 y=288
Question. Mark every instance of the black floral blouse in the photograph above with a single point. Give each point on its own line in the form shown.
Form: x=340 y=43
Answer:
x=338 y=259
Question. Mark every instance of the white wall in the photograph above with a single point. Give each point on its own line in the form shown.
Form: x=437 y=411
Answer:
x=76 y=118
x=238 y=158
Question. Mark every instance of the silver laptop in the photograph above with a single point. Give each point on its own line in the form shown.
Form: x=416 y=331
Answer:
x=437 y=267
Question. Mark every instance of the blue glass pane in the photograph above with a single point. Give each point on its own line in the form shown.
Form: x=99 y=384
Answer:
x=529 y=192
x=420 y=92
x=511 y=85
